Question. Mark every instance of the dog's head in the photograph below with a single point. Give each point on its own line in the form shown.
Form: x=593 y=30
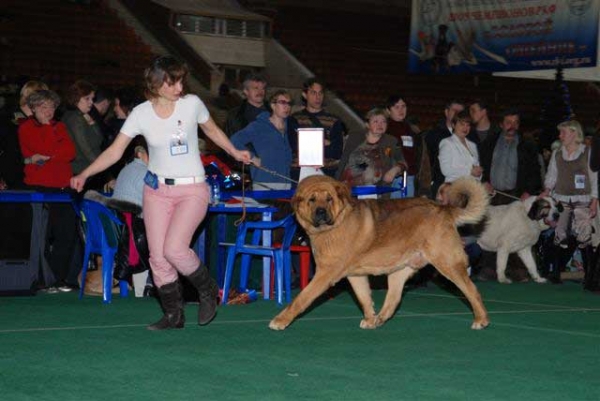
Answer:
x=319 y=202
x=545 y=210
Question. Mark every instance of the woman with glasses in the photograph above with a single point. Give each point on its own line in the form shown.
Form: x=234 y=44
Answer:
x=267 y=139
x=176 y=193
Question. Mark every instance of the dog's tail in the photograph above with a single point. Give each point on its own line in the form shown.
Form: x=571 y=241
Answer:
x=469 y=200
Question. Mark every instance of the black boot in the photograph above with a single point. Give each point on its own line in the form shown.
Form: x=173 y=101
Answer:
x=208 y=293
x=559 y=263
x=172 y=305
x=591 y=269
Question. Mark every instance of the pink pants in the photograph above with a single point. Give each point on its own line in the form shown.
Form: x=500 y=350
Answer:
x=172 y=213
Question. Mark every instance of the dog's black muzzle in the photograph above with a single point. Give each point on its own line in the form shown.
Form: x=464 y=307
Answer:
x=321 y=216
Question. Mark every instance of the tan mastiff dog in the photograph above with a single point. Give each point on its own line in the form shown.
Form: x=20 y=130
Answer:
x=357 y=238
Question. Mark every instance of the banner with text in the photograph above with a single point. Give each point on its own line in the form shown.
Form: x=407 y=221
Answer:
x=453 y=36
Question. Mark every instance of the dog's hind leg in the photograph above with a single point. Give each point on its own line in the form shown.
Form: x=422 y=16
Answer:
x=362 y=290
x=527 y=258
x=393 y=297
x=322 y=280
x=455 y=270
x=501 y=262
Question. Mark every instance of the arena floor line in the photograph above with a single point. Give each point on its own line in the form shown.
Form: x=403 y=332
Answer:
x=399 y=315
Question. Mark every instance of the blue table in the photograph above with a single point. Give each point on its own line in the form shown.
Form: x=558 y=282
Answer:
x=34 y=197
x=288 y=193
x=39 y=222
x=221 y=211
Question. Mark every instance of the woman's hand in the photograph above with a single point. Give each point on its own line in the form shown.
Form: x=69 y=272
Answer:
x=243 y=156
x=256 y=161
x=78 y=182
x=392 y=173
x=593 y=207
x=39 y=159
x=476 y=171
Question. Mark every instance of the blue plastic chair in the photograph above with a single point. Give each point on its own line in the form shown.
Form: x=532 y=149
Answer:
x=101 y=237
x=280 y=255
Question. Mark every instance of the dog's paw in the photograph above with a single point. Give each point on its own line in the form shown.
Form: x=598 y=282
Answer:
x=540 y=280
x=277 y=324
x=370 y=323
x=479 y=325
x=504 y=280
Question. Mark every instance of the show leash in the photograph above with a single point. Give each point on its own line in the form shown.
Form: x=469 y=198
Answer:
x=504 y=194
x=243 y=217
x=275 y=173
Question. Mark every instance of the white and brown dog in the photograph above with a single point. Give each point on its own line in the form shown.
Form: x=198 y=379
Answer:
x=515 y=228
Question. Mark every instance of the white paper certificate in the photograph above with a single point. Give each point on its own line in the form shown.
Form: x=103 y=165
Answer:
x=310 y=147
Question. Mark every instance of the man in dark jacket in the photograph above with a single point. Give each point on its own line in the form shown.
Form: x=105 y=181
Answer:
x=511 y=163
x=238 y=118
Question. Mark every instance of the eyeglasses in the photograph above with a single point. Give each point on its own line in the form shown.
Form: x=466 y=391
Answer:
x=284 y=103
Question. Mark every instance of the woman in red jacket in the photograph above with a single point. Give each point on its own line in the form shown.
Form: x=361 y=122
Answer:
x=48 y=151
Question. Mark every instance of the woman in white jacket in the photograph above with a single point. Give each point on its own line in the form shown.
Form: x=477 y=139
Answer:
x=458 y=156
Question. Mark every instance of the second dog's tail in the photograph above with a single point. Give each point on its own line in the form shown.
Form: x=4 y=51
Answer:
x=469 y=200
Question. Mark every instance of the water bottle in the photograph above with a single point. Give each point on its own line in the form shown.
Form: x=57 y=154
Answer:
x=215 y=191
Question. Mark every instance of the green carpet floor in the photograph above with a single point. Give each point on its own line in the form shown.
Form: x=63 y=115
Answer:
x=543 y=344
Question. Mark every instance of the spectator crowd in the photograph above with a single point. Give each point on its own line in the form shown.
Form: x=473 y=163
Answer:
x=46 y=140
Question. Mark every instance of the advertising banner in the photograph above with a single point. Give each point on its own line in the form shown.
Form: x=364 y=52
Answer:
x=454 y=36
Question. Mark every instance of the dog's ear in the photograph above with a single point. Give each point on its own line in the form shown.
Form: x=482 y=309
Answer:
x=343 y=191
x=536 y=210
x=295 y=201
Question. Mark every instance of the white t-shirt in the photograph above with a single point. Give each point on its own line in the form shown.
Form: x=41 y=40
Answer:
x=161 y=134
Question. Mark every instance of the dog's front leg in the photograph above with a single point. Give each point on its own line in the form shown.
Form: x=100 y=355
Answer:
x=501 y=261
x=396 y=283
x=319 y=284
x=529 y=261
x=362 y=290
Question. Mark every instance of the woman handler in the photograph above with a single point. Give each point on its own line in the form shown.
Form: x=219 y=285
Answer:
x=176 y=194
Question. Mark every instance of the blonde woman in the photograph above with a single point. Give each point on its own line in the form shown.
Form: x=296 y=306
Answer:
x=379 y=159
x=571 y=181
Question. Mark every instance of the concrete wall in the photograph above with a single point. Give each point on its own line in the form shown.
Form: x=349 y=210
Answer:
x=231 y=51
x=283 y=70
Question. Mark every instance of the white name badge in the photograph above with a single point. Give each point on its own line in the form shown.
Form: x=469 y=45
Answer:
x=579 y=181
x=178 y=147
x=407 y=141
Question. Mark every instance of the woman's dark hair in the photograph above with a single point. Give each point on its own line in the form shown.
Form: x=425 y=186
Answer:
x=462 y=116
x=164 y=69
x=393 y=99
x=78 y=90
